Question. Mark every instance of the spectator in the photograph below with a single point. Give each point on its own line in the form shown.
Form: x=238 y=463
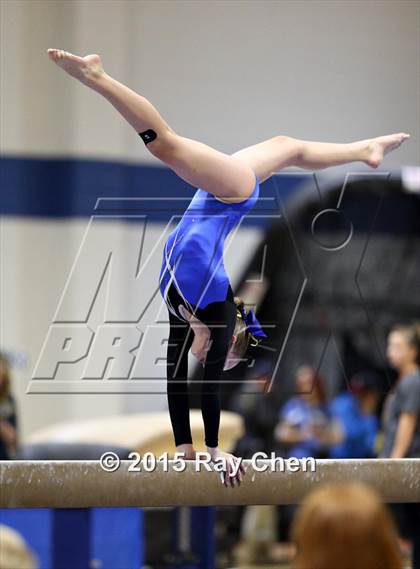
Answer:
x=305 y=418
x=302 y=430
x=258 y=410
x=355 y=413
x=8 y=420
x=345 y=525
x=401 y=422
x=14 y=553
x=255 y=525
x=402 y=406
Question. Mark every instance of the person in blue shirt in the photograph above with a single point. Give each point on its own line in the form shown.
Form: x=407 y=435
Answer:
x=193 y=280
x=304 y=418
x=355 y=412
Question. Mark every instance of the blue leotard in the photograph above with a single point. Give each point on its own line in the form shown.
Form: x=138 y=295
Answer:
x=193 y=253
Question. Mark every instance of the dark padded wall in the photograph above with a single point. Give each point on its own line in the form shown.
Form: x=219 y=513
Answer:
x=342 y=276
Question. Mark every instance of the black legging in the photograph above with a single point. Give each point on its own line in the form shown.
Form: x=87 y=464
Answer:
x=407 y=519
x=180 y=339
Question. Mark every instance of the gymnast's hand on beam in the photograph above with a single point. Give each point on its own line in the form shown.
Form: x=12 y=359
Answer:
x=235 y=469
x=87 y=69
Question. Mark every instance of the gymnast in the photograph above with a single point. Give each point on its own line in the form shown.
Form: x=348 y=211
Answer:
x=204 y=315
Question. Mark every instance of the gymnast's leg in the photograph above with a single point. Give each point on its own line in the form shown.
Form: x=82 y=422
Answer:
x=179 y=343
x=195 y=162
x=220 y=317
x=270 y=156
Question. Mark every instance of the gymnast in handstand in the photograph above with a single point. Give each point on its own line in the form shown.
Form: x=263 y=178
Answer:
x=204 y=315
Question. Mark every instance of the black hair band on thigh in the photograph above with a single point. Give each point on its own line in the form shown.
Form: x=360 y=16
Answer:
x=147 y=136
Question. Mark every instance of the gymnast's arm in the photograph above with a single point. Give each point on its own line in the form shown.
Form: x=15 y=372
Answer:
x=404 y=435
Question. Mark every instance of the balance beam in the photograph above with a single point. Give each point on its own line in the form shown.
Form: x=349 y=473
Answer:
x=84 y=484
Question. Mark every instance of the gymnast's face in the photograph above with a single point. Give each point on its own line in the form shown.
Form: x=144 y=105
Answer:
x=201 y=342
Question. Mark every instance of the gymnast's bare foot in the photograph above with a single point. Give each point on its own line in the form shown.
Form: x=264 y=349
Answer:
x=87 y=69
x=381 y=145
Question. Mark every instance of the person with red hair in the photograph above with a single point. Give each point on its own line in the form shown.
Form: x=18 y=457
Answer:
x=344 y=526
